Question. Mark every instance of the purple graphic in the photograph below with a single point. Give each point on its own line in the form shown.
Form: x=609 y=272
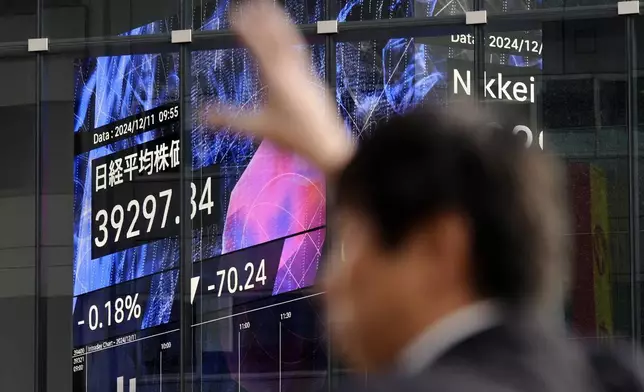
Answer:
x=299 y=262
x=279 y=194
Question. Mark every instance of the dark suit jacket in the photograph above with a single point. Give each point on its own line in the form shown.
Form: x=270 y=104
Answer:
x=506 y=358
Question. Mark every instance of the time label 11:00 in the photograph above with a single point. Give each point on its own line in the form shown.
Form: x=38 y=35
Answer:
x=123 y=221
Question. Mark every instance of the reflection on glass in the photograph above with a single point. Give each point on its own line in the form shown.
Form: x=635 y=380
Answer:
x=257 y=328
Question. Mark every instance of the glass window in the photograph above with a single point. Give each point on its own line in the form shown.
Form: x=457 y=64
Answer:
x=377 y=79
x=17 y=20
x=354 y=10
x=100 y=18
x=17 y=226
x=256 y=216
x=110 y=234
x=258 y=232
x=637 y=120
x=57 y=198
x=504 y=6
x=380 y=78
x=215 y=15
x=564 y=86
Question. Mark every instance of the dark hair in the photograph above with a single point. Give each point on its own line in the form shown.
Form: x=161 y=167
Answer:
x=430 y=161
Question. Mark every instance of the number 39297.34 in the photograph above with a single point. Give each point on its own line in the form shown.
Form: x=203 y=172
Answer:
x=120 y=217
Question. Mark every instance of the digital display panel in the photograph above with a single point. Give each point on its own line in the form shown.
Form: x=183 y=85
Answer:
x=257 y=216
x=378 y=79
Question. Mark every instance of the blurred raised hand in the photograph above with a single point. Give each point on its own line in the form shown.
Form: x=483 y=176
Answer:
x=296 y=115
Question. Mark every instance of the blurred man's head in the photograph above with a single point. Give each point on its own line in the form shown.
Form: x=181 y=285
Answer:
x=436 y=212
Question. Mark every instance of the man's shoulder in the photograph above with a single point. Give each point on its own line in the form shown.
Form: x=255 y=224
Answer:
x=463 y=379
x=512 y=357
x=434 y=381
x=501 y=359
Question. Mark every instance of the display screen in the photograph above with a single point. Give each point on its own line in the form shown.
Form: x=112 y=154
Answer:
x=257 y=214
x=379 y=79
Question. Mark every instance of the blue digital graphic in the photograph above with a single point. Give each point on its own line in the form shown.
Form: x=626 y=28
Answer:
x=378 y=79
x=111 y=88
x=262 y=197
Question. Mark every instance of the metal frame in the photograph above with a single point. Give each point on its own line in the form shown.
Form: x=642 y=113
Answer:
x=633 y=183
x=628 y=7
x=181 y=36
x=38 y=45
x=476 y=17
x=327 y=31
x=185 y=243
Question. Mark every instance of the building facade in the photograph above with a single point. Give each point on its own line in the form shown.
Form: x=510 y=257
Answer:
x=141 y=250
